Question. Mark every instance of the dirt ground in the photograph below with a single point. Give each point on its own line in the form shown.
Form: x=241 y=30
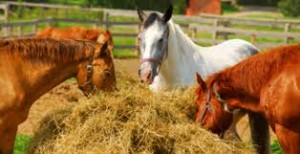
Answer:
x=67 y=94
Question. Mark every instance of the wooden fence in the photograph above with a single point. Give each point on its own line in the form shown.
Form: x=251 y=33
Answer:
x=219 y=28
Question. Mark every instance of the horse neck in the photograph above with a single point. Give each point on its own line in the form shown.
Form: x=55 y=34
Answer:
x=42 y=78
x=244 y=81
x=180 y=62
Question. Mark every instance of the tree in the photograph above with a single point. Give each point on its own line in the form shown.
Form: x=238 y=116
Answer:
x=290 y=7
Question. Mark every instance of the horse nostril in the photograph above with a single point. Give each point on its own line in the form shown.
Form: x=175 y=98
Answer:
x=139 y=72
x=149 y=75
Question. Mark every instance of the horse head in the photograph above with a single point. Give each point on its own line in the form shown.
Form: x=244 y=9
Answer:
x=211 y=114
x=153 y=43
x=98 y=72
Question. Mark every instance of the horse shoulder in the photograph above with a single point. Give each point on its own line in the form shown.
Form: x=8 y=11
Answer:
x=281 y=98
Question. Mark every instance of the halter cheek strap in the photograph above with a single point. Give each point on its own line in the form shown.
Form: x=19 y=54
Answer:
x=88 y=88
x=210 y=109
x=206 y=108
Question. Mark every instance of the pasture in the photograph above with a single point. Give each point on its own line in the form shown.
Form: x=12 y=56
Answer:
x=131 y=120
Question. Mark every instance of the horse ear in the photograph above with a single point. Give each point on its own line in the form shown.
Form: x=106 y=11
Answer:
x=141 y=14
x=168 y=14
x=200 y=81
x=103 y=51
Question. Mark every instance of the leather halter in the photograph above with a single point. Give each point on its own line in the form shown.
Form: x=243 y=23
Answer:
x=88 y=85
x=209 y=108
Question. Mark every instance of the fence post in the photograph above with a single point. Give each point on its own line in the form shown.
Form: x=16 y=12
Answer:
x=193 y=31
x=224 y=23
x=6 y=12
x=215 y=31
x=287 y=27
x=7 y=31
x=20 y=30
x=95 y=25
x=34 y=28
x=253 y=39
x=106 y=19
x=42 y=12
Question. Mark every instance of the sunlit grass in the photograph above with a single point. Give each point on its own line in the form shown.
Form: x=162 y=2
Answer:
x=22 y=143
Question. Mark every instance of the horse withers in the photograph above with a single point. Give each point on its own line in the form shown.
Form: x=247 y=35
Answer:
x=169 y=57
x=267 y=84
x=31 y=67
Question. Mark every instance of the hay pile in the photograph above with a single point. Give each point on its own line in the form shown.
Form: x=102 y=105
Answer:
x=132 y=120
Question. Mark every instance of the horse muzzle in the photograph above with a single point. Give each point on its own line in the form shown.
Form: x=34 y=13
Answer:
x=146 y=77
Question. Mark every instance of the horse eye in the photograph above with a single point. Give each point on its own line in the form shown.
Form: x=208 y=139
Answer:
x=107 y=73
x=160 y=40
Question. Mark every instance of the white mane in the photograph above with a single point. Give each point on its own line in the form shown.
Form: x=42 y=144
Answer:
x=185 y=58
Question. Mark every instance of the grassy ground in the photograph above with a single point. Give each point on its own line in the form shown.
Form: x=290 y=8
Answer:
x=22 y=143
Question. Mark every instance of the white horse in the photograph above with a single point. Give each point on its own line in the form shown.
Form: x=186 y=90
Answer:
x=170 y=59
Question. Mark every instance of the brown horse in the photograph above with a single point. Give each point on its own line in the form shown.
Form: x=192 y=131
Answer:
x=78 y=32
x=31 y=67
x=267 y=84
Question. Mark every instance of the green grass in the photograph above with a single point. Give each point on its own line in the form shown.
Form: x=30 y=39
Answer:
x=124 y=53
x=275 y=147
x=22 y=143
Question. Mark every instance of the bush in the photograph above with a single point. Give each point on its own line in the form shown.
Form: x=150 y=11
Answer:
x=290 y=7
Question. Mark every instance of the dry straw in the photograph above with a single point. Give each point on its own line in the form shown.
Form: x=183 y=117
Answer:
x=131 y=120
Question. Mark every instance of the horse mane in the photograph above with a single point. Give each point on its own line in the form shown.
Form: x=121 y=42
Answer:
x=48 y=50
x=179 y=33
x=251 y=74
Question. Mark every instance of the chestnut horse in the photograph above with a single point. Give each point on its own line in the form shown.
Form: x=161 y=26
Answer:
x=31 y=67
x=78 y=32
x=267 y=83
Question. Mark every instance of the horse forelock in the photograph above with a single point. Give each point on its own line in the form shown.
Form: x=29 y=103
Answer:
x=50 y=50
x=150 y=20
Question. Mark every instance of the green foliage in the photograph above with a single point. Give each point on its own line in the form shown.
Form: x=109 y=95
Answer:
x=290 y=7
x=179 y=5
x=258 y=2
x=275 y=147
x=22 y=143
x=228 y=8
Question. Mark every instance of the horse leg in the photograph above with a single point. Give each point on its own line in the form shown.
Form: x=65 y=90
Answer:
x=259 y=133
x=8 y=135
x=289 y=140
x=237 y=116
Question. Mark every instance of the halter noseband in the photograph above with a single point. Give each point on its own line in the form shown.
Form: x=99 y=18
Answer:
x=88 y=85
